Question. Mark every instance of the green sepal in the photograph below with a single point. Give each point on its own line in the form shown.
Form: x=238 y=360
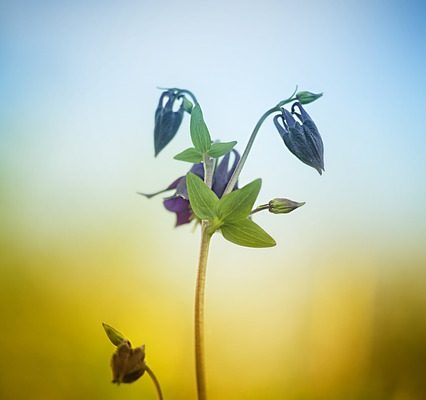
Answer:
x=247 y=233
x=238 y=204
x=116 y=337
x=199 y=133
x=190 y=155
x=187 y=105
x=220 y=149
x=202 y=199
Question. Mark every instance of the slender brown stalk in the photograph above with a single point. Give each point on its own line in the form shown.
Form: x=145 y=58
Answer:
x=200 y=369
x=155 y=381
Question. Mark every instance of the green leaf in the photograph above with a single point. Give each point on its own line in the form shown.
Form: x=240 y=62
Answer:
x=220 y=149
x=190 y=155
x=238 y=204
x=115 y=336
x=202 y=199
x=246 y=233
x=199 y=133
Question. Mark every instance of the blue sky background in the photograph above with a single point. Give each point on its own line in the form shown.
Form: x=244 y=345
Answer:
x=79 y=89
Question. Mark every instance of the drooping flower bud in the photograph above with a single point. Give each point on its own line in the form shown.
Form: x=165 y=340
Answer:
x=128 y=364
x=301 y=138
x=283 y=206
x=305 y=97
x=167 y=121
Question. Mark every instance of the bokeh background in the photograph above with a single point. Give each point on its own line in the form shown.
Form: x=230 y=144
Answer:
x=335 y=311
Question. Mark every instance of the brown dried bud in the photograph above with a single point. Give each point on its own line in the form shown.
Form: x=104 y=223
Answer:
x=127 y=364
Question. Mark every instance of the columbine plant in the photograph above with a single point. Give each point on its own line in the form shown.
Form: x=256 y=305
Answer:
x=209 y=194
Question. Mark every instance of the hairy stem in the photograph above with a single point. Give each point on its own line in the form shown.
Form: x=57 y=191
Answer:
x=155 y=381
x=199 y=313
x=200 y=369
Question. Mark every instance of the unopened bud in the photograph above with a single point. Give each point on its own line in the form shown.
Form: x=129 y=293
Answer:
x=307 y=97
x=283 y=206
x=115 y=336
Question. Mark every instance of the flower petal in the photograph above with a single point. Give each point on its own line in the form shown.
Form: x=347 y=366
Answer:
x=303 y=116
x=180 y=207
x=167 y=121
x=281 y=129
x=289 y=120
x=222 y=175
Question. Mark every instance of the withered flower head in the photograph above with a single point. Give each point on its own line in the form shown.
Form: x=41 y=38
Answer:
x=128 y=364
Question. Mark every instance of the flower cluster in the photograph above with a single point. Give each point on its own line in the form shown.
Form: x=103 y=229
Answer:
x=296 y=128
x=179 y=201
x=209 y=194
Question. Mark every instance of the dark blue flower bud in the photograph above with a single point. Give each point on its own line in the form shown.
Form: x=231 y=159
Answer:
x=167 y=121
x=301 y=138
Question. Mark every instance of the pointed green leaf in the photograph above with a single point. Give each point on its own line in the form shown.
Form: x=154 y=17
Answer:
x=202 y=199
x=246 y=233
x=190 y=155
x=199 y=133
x=115 y=336
x=238 y=204
x=220 y=149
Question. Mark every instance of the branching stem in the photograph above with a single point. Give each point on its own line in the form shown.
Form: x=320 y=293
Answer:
x=233 y=181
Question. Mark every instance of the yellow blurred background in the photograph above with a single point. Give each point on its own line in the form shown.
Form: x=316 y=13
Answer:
x=326 y=324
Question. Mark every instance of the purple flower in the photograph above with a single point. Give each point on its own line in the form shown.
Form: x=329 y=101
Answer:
x=301 y=138
x=179 y=202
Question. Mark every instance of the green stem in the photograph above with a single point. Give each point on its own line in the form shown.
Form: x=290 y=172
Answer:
x=260 y=208
x=234 y=178
x=208 y=170
x=155 y=381
x=200 y=369
x=199 y=313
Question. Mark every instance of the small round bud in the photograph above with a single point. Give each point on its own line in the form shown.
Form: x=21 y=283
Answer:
x=307 y=97
x=283 y=206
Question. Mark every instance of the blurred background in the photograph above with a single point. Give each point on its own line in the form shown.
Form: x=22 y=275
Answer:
x=335 y=311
